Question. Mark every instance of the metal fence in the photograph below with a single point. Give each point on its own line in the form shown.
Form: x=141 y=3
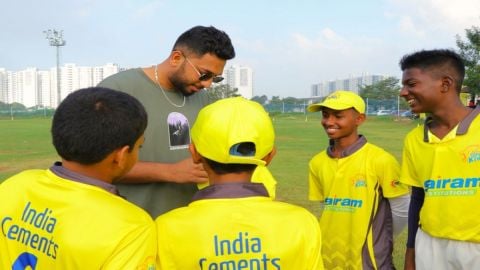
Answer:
x=30 y=113
x=373 y=106
x=395 y=106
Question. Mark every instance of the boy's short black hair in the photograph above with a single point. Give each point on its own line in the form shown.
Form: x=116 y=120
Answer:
x=91 y=123
x=439 y=60
x=244 y=149
x=201 y=40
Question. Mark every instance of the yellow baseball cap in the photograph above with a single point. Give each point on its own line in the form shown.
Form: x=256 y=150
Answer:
x=224 y=125
x=340 y=100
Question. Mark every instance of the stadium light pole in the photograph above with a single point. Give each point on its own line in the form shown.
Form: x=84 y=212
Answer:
x=55 y=38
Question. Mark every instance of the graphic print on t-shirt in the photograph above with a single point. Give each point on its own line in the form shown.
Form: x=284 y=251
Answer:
x=178 y=130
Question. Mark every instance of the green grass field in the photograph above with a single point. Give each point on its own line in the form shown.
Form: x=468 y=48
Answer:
x=26 y=143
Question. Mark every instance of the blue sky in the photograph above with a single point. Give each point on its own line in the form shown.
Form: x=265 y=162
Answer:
x=289 y=44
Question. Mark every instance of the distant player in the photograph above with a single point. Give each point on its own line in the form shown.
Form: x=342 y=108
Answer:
x=357 y=183
x=233 y=223
x=70 y=216
x=441 y=161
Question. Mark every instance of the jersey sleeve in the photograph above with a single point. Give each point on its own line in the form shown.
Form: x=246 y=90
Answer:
x=388 y=173
x=316 y=260
x=408 y=174
x=137 y=250
x=165 y=259
x=315 y=188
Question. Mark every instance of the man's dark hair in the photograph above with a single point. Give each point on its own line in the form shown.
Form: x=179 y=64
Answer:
x=91 y=123
x=442 y=62
x=201 y=40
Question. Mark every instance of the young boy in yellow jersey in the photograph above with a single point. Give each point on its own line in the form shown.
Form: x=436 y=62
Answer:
x=441 y=161
x=233 y=223
x=357 y=183
x=70 y=216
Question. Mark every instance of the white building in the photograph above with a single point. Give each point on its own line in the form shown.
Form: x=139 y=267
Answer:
x=27 y=87
x=4 y=97
x=352 y=84
x=240 y=77
x=32 y=87
x=47 y=97
x=102 y=72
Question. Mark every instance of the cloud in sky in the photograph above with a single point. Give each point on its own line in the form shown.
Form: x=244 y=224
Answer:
x=289 y=44
x=148 y=9
x=436 y=15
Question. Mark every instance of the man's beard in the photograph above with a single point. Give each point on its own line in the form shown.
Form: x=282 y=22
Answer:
x=180 y=85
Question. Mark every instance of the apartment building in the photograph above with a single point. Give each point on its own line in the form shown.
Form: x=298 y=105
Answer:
x=353 y=84
x=240 y=77
x=33 y=87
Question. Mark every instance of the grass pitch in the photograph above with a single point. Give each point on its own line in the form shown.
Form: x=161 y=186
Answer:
x=26 y=144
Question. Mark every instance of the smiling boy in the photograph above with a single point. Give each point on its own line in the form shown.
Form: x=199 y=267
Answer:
x=440 y=162
x=357 y=183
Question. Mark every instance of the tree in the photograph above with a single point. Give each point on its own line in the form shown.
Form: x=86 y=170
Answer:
x=260 y=99
x=290 y=100
x=13 y=106
x=276 y=100
x=388 y=88
x=383 y=95
x=222 y=91
x=470 y=51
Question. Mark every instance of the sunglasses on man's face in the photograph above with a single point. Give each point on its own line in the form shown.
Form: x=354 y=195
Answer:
x=208 y=76
x=204 y=76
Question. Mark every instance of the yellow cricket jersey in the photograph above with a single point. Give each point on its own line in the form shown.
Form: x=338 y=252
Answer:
x=356 y=221
x=48 y=222
x=448 y=169
x=237 y=226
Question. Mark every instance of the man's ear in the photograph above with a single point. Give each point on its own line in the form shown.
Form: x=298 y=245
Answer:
x=176 y=58
x=268 y=158
x=196 y=157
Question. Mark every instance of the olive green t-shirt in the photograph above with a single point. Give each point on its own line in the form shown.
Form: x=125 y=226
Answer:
x=166 y=138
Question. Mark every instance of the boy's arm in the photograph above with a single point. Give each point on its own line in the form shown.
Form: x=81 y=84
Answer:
x=184 y=171
x=416 y=203
x=388 y=171
x=400 y=206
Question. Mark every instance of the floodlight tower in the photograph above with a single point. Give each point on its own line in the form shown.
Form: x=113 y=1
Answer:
x=55 y=38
